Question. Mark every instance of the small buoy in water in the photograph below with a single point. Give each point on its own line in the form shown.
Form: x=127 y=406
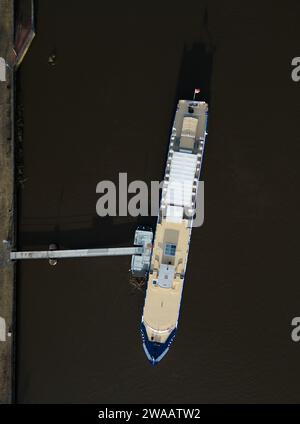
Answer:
x=53 y=246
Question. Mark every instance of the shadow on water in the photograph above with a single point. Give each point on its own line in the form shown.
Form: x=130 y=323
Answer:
x=197 y=65
x=92 y=234
x=195 y=72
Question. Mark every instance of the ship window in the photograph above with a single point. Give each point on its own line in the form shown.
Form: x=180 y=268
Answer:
x=170 y=249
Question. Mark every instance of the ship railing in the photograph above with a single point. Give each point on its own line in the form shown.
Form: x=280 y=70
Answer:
x=168 y=330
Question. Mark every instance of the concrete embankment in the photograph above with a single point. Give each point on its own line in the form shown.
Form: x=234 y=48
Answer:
x=7 y=269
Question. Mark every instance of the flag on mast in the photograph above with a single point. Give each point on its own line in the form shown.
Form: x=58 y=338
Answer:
x=196 y=91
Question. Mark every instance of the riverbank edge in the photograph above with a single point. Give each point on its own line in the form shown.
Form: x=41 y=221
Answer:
x=7 y=207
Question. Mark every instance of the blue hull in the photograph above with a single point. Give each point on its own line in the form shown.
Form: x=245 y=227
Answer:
x=156 y=351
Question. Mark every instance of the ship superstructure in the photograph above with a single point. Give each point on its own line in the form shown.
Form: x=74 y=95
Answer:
x=173 y=230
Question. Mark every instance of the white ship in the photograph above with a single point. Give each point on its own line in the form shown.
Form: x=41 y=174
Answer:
x=173 y=230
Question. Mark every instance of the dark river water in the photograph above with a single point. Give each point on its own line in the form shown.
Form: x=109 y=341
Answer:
x=107 y=107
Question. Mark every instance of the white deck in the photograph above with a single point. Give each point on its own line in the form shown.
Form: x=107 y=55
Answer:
x=181 y=180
